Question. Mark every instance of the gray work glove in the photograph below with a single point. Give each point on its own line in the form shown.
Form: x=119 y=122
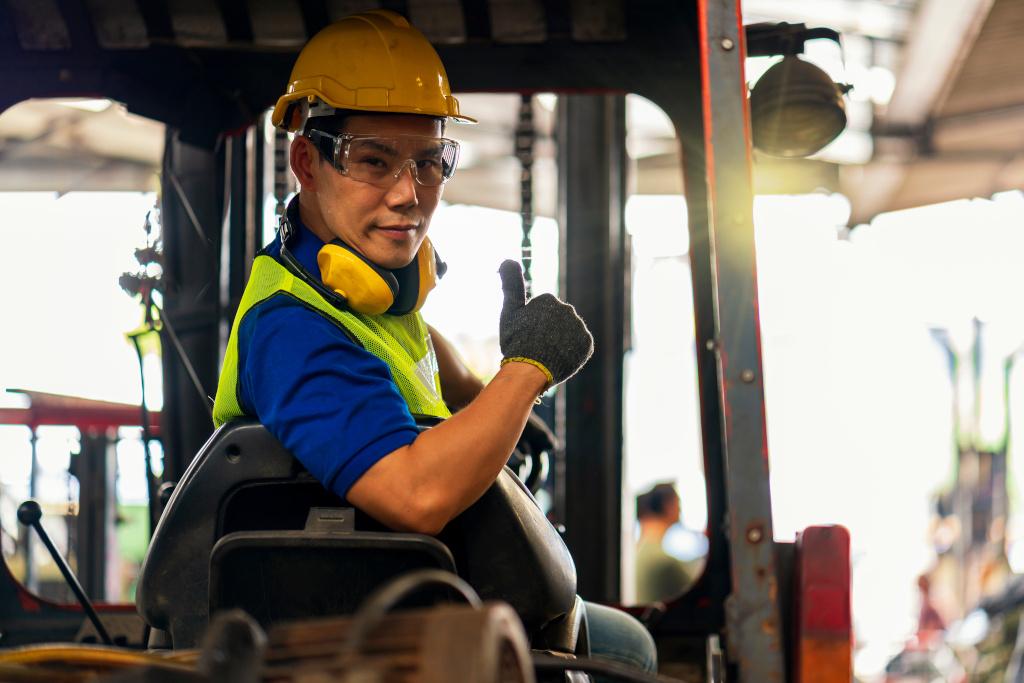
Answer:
x=544 y=332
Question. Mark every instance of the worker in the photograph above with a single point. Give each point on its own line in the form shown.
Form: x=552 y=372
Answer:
x=328 y=349
x=659 y=576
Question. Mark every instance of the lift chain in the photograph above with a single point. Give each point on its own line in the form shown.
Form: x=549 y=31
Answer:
x=525 y=136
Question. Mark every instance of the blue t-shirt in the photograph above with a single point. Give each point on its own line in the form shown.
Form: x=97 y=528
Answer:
x=333 y=404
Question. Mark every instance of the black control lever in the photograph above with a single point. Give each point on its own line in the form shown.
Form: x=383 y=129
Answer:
x=30 y=514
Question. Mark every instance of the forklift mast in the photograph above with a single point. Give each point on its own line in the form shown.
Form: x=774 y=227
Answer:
x=781 y=618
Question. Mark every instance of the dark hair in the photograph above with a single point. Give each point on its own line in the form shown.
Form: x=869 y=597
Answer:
x=328 y=124
x=653 y=502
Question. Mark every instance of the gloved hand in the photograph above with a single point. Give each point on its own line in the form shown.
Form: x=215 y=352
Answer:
x=543 y=332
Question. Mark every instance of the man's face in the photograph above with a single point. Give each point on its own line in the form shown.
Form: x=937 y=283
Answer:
x=385 y=224
x=672 y=510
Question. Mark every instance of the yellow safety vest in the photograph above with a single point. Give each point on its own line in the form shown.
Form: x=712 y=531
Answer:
x=401 y=341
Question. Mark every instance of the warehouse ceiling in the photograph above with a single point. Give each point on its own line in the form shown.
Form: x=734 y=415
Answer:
x=937 y=113
x=955 y=125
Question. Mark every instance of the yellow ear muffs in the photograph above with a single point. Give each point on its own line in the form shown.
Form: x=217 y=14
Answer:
x=366 y=287
x=416 y=280
x=369 y=289
x=427 y=268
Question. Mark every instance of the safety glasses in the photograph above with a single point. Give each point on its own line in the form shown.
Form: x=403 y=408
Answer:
x=379 y=160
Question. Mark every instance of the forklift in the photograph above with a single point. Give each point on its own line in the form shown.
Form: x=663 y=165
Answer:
x=762 y=610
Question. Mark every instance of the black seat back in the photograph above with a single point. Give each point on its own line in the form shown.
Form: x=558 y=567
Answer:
x=174 y=582
x=507 y=550
x=286 y=575
x=245 y=494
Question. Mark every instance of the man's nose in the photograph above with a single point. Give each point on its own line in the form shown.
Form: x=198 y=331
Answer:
x=403 y=192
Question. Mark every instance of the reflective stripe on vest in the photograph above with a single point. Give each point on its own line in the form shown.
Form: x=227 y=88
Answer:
x=401 y=341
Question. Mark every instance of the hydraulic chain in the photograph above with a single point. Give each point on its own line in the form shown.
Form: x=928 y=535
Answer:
x=525 y=136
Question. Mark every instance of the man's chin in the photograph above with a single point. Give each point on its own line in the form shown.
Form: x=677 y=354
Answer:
x=393 y=256
x=394 y=261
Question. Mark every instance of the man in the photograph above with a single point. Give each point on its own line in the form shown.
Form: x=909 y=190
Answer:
x=328 y=350
x=659 y=576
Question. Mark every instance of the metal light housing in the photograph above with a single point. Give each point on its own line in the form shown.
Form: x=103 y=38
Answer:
x=796 y=109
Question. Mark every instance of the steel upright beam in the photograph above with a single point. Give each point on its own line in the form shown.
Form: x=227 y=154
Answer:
x=213 y=218
x=191 y=215
x=95 y=467
x=245 y=189
x=752 y=613
x=592 y=162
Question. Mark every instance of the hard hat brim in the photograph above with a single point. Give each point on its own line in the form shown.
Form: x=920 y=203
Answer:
x=286 y=102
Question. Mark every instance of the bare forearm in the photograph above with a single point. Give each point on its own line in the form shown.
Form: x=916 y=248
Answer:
x=467 y=452
x=448 y=467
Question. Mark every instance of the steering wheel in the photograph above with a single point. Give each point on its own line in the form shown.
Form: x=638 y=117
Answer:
x=531 y=468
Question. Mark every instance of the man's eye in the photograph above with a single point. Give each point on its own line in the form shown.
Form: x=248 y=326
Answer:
x=428 y=163
x=373 y=162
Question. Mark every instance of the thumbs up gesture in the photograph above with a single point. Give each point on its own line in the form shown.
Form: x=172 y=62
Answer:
x=544 y=331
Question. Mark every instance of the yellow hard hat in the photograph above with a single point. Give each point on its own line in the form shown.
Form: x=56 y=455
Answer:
x=374 y=62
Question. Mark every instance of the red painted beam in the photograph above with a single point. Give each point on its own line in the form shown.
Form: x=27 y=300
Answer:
x=83 y=413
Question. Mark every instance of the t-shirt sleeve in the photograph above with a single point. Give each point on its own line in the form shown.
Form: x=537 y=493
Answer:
x=330 y=402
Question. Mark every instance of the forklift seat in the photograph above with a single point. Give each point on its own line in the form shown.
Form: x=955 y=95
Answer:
x=248 y=527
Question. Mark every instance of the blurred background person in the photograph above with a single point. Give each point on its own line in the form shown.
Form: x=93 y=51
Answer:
x=659 y=576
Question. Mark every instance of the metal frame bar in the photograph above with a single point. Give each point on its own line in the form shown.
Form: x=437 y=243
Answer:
x=96 y=469
x=191 y=302
x=244 y=192
x=755 y=641
x=701 y=609
x=591 y=169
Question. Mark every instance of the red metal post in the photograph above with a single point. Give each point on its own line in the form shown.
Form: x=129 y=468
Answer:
x=754 y=634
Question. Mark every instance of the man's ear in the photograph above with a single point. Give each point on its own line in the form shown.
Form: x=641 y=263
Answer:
x=304 y=158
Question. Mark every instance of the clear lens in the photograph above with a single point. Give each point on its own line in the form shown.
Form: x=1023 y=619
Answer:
x=380 y=160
